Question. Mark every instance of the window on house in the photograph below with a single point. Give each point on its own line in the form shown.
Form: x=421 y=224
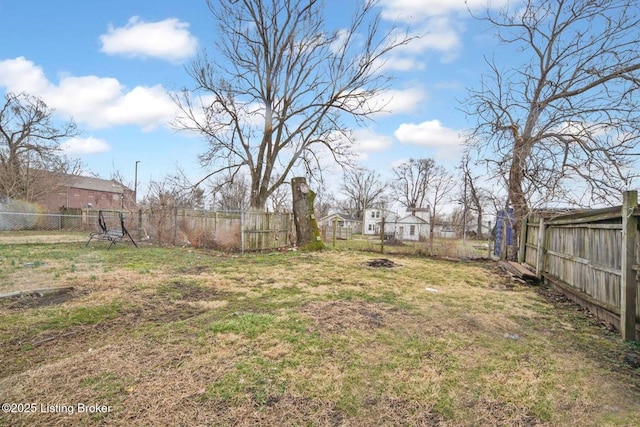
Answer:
x=412 y=230
x=377 y=214
x=373 y=214
x=370 y=227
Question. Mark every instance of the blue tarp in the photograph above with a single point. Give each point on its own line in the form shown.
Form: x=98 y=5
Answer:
x=508 y=216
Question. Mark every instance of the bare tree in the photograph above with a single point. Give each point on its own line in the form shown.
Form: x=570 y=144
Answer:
x=566 y=119
x=30 y=147
x=231 y=193
x=280 y=199
x=440 y=187
x=411 y=182
x=324 y=202
x=274 y=97
x=173 y=192
x=474 y=197
x=363 y=188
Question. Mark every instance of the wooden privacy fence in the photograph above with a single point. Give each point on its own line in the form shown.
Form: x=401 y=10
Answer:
x=593 y=257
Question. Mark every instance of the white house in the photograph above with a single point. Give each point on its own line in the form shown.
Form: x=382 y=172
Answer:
x=444 y=230
x=372 y=221
x=342 y=220
x=414 y=226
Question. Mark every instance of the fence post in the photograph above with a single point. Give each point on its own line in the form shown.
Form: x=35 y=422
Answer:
x=242 y=232
x=489 y=251
x=335 y=230
x=540 y=255
x=382 y=235
x=628 y=280
x=175 y=226
x=206 y=224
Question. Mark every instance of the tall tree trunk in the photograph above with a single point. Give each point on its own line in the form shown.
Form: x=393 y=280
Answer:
x=307 y=230
x=517 y=197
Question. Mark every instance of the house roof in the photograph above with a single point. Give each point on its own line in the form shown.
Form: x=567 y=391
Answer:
x=94 y=184
x=412 y=219
x=342 y=216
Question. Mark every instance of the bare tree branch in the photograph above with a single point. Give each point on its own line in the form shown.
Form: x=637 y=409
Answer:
x=30 y=154
x=364 y=189
x=562 y=126
x=281 y=86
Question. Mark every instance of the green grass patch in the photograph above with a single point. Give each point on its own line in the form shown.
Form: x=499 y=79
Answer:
x=62 y=318
x=248 y=324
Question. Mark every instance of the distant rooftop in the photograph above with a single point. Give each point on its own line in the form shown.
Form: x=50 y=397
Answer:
x=94 y=184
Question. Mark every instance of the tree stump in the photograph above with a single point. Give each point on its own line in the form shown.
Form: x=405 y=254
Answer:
x=307 y=230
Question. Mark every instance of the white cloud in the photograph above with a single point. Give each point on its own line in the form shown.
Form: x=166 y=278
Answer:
x=399 y=101
x=439 y=33
x=98 y=102
x=169 y=39
x=367 y=141
x=397 y=62
x=88 y=145
x=437 y=25
x=21 y=75
x=144 y=106
x=430 y=133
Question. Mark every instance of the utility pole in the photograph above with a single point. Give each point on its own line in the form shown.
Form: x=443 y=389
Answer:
x=135 y=185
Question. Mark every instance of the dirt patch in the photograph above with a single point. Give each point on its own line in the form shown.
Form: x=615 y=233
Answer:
x=491 y=412
x=340 y=316
x=386 y=410
x=37 y=299
x=195 y=270
x=185 y=290
x=42 y=238
x=381 y=263
x=164 y=314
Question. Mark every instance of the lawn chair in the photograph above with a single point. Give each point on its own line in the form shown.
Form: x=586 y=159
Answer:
x=113 y=235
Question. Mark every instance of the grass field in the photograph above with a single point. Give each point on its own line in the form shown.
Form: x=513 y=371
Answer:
x=160 y=336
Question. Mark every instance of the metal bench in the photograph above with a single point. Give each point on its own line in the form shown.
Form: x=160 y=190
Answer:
x=113 y=235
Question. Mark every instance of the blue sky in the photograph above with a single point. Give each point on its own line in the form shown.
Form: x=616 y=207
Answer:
x=111 y=65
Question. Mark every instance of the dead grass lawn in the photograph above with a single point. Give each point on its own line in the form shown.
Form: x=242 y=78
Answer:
x=182 y=337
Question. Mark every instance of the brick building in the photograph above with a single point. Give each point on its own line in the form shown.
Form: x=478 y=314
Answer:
x=75 y=191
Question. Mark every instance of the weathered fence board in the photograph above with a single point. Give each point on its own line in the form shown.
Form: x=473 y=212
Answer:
x=594 y=258
x=265 y=230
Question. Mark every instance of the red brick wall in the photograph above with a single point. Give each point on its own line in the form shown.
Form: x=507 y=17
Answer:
x=80 y=198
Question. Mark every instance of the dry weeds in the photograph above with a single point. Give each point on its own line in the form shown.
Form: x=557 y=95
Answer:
x=176 y=337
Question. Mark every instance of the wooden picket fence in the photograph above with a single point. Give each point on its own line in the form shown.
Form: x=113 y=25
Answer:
x=593 y=257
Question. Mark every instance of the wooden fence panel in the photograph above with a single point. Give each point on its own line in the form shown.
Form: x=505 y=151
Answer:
x=266 y=230
x=582 y=255
x=531 y=252
x=587 y=258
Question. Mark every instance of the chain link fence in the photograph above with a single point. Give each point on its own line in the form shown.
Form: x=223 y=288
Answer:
x=233 y=231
